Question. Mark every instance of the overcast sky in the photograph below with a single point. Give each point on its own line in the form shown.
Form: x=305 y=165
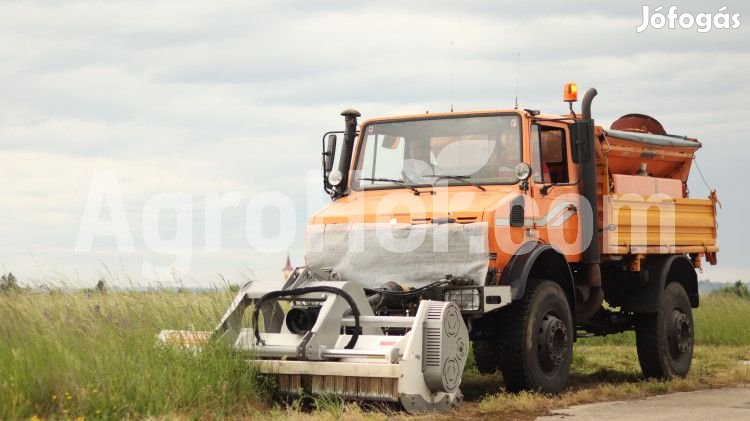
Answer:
x=217 y=97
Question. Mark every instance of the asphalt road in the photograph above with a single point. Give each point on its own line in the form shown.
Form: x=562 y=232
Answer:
x=717 y=404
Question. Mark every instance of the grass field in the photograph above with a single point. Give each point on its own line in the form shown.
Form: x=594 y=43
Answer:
x=65 y=355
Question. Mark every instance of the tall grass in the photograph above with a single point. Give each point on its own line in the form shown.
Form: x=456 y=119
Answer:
x=70 y=354
x=723 y=319
x=64 y=355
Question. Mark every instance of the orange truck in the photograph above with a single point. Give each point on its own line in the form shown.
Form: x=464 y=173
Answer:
x=541 y=228
x=503 y=231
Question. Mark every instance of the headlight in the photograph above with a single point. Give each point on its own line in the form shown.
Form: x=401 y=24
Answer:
x=335 y=177
x=465 y=299
x=523 y=171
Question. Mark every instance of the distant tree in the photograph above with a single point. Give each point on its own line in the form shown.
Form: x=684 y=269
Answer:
x=101 y=286
x=739 y=289
x=8 y=282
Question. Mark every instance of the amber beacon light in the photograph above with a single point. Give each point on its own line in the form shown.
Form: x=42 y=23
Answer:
x=570 y=92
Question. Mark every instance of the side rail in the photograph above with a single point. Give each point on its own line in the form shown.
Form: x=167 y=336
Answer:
x=658 y=224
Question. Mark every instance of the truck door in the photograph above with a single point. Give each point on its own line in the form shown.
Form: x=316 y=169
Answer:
x=554 y=188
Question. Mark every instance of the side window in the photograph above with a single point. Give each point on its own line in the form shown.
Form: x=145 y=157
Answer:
x=550 y=164
x=536 y=160
x=384 y=160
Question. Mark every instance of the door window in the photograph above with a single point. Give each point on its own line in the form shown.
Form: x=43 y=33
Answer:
x=549 y=156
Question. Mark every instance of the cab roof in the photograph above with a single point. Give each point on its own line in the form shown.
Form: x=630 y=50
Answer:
x=459 y=114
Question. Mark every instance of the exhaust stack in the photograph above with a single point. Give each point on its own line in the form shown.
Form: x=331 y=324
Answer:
x=591 y=292
x=345 y=161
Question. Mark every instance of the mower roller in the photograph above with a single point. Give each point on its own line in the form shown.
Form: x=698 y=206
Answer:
x=320 y=336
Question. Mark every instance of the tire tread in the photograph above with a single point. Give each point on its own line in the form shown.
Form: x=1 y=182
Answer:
x=512 y=361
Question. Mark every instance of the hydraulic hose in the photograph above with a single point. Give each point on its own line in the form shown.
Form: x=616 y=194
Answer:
x=408 y=292
x=307 y=290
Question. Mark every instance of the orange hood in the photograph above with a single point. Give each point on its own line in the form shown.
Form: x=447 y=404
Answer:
x=463 y=203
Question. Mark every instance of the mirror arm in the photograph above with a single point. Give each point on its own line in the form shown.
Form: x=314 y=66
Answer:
x=546 y=188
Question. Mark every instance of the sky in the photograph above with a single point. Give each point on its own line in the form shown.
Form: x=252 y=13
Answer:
x=192 y=103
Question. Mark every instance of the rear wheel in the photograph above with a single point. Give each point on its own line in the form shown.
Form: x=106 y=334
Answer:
x=665 y=339
x=537 y=347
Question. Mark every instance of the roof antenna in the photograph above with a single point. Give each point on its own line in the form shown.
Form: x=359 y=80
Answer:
x=518 y=73
x=452 y=77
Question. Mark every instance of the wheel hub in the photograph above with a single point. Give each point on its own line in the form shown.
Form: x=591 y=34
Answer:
x=682 y=332
x=552 y=342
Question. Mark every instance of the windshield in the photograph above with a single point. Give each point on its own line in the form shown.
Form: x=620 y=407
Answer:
x=480 y=150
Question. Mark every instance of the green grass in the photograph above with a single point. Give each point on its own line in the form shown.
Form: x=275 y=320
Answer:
x=96 y=355
x=64 y=355
x=723 y=320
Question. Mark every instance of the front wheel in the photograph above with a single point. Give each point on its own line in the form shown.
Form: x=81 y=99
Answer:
x=538 y=346
x=665 y=339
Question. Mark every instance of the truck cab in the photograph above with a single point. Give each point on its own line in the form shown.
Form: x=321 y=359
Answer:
x=510 y=171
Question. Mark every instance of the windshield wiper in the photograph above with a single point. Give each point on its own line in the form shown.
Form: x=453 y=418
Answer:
x=463 y=178
x=392 y=180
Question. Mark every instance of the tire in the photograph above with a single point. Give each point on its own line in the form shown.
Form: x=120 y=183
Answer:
x=665 y=339
x=537 y=347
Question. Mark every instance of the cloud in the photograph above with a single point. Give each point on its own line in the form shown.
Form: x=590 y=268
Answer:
x=203 y=97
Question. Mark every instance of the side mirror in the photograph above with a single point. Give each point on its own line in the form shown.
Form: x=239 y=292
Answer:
x=580 y=142
x=329 y=154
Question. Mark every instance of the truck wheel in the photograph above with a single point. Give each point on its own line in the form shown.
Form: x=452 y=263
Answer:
x=538 y=345
x=665 y=339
